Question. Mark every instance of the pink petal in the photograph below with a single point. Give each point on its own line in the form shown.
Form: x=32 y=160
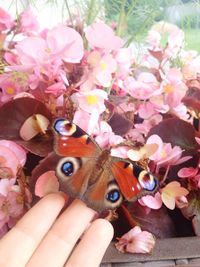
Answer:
x=70 y=47
x=153 y=202
x=46 y=183
x=109 y=41
x=19 y=152
x=187 y=172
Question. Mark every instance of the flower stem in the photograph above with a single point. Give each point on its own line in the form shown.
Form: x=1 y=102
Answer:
x=90 y=12
x=69 y=13
x=121 y=18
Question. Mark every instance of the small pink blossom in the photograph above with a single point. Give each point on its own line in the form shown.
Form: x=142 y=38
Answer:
x=191 y=173
x=154 y=39
x=37 y=51
x=28 y=22
x=144 y=87
x=6 y=22
x=166 y=155
x=171 y=192
x=96 y=31
x=104 y=135
x=124 y=58
x=136 y=241
x=175 y=43
x=92 y=101
x=173 y=87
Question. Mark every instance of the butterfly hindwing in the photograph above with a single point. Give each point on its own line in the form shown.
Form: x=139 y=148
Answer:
x=80 y=179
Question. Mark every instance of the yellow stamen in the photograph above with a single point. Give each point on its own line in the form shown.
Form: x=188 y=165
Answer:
x=168 y=88
x=91 y=99
x=163 y=153
x=10 y=90
x=103 y=65
x=48 y=50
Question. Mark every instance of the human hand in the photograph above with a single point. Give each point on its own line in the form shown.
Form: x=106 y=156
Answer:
x=41 y=238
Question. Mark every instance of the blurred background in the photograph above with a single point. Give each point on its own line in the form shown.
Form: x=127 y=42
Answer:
x=132 y=18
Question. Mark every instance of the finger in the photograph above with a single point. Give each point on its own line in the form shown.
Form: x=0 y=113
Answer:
x=90 y=251
x=17 y=246
x=60 y=240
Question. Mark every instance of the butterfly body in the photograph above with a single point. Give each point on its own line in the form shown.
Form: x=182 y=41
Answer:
x=87 y=172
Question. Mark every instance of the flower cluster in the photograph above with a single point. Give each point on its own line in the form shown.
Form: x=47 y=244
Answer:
x=141 y=107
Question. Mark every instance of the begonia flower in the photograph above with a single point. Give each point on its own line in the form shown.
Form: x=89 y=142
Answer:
x=37 y=51
x=154 y=39
x=110 y=41
x=28 y=22
x=173 y=87
x=166 y=155
x=6 y=22
x=191 y=173
x=144 y=87
x=99 y=70
x=105 y=137
x=92 y=101
x=136 y=241
x=171 y=192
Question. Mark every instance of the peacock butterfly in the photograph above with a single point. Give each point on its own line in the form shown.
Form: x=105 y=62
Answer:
x=87 y=172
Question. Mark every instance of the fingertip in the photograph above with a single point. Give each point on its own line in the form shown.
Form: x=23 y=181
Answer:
x=105 y=228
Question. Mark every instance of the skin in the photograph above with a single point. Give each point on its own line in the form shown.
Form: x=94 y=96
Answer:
x=45 y=237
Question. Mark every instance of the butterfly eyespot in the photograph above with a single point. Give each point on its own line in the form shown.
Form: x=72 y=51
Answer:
x=64 y=127
x=147 y=181
x=67 y=167
x=113 y=196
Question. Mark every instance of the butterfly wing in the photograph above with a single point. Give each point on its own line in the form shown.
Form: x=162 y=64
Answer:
x=134 y=181
x=80 y=178
x=71 y=140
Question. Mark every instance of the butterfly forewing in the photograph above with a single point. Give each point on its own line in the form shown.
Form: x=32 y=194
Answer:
x=133 y=180
x=71 y=140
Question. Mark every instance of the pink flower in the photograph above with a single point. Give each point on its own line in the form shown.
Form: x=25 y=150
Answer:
x=37 y=51
x=6 y=22
x=175 y=43
x=144 y=87
x=9 y=87
x=96 y=31
x=92 y=101
x=136 y=241
x=166 y=155
x=171 y=192
x=193 y=174
x=100 y=69
x=173 y=87
x=104 y=135
x=28 y=22
x=124 y=58
x=154 y=39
